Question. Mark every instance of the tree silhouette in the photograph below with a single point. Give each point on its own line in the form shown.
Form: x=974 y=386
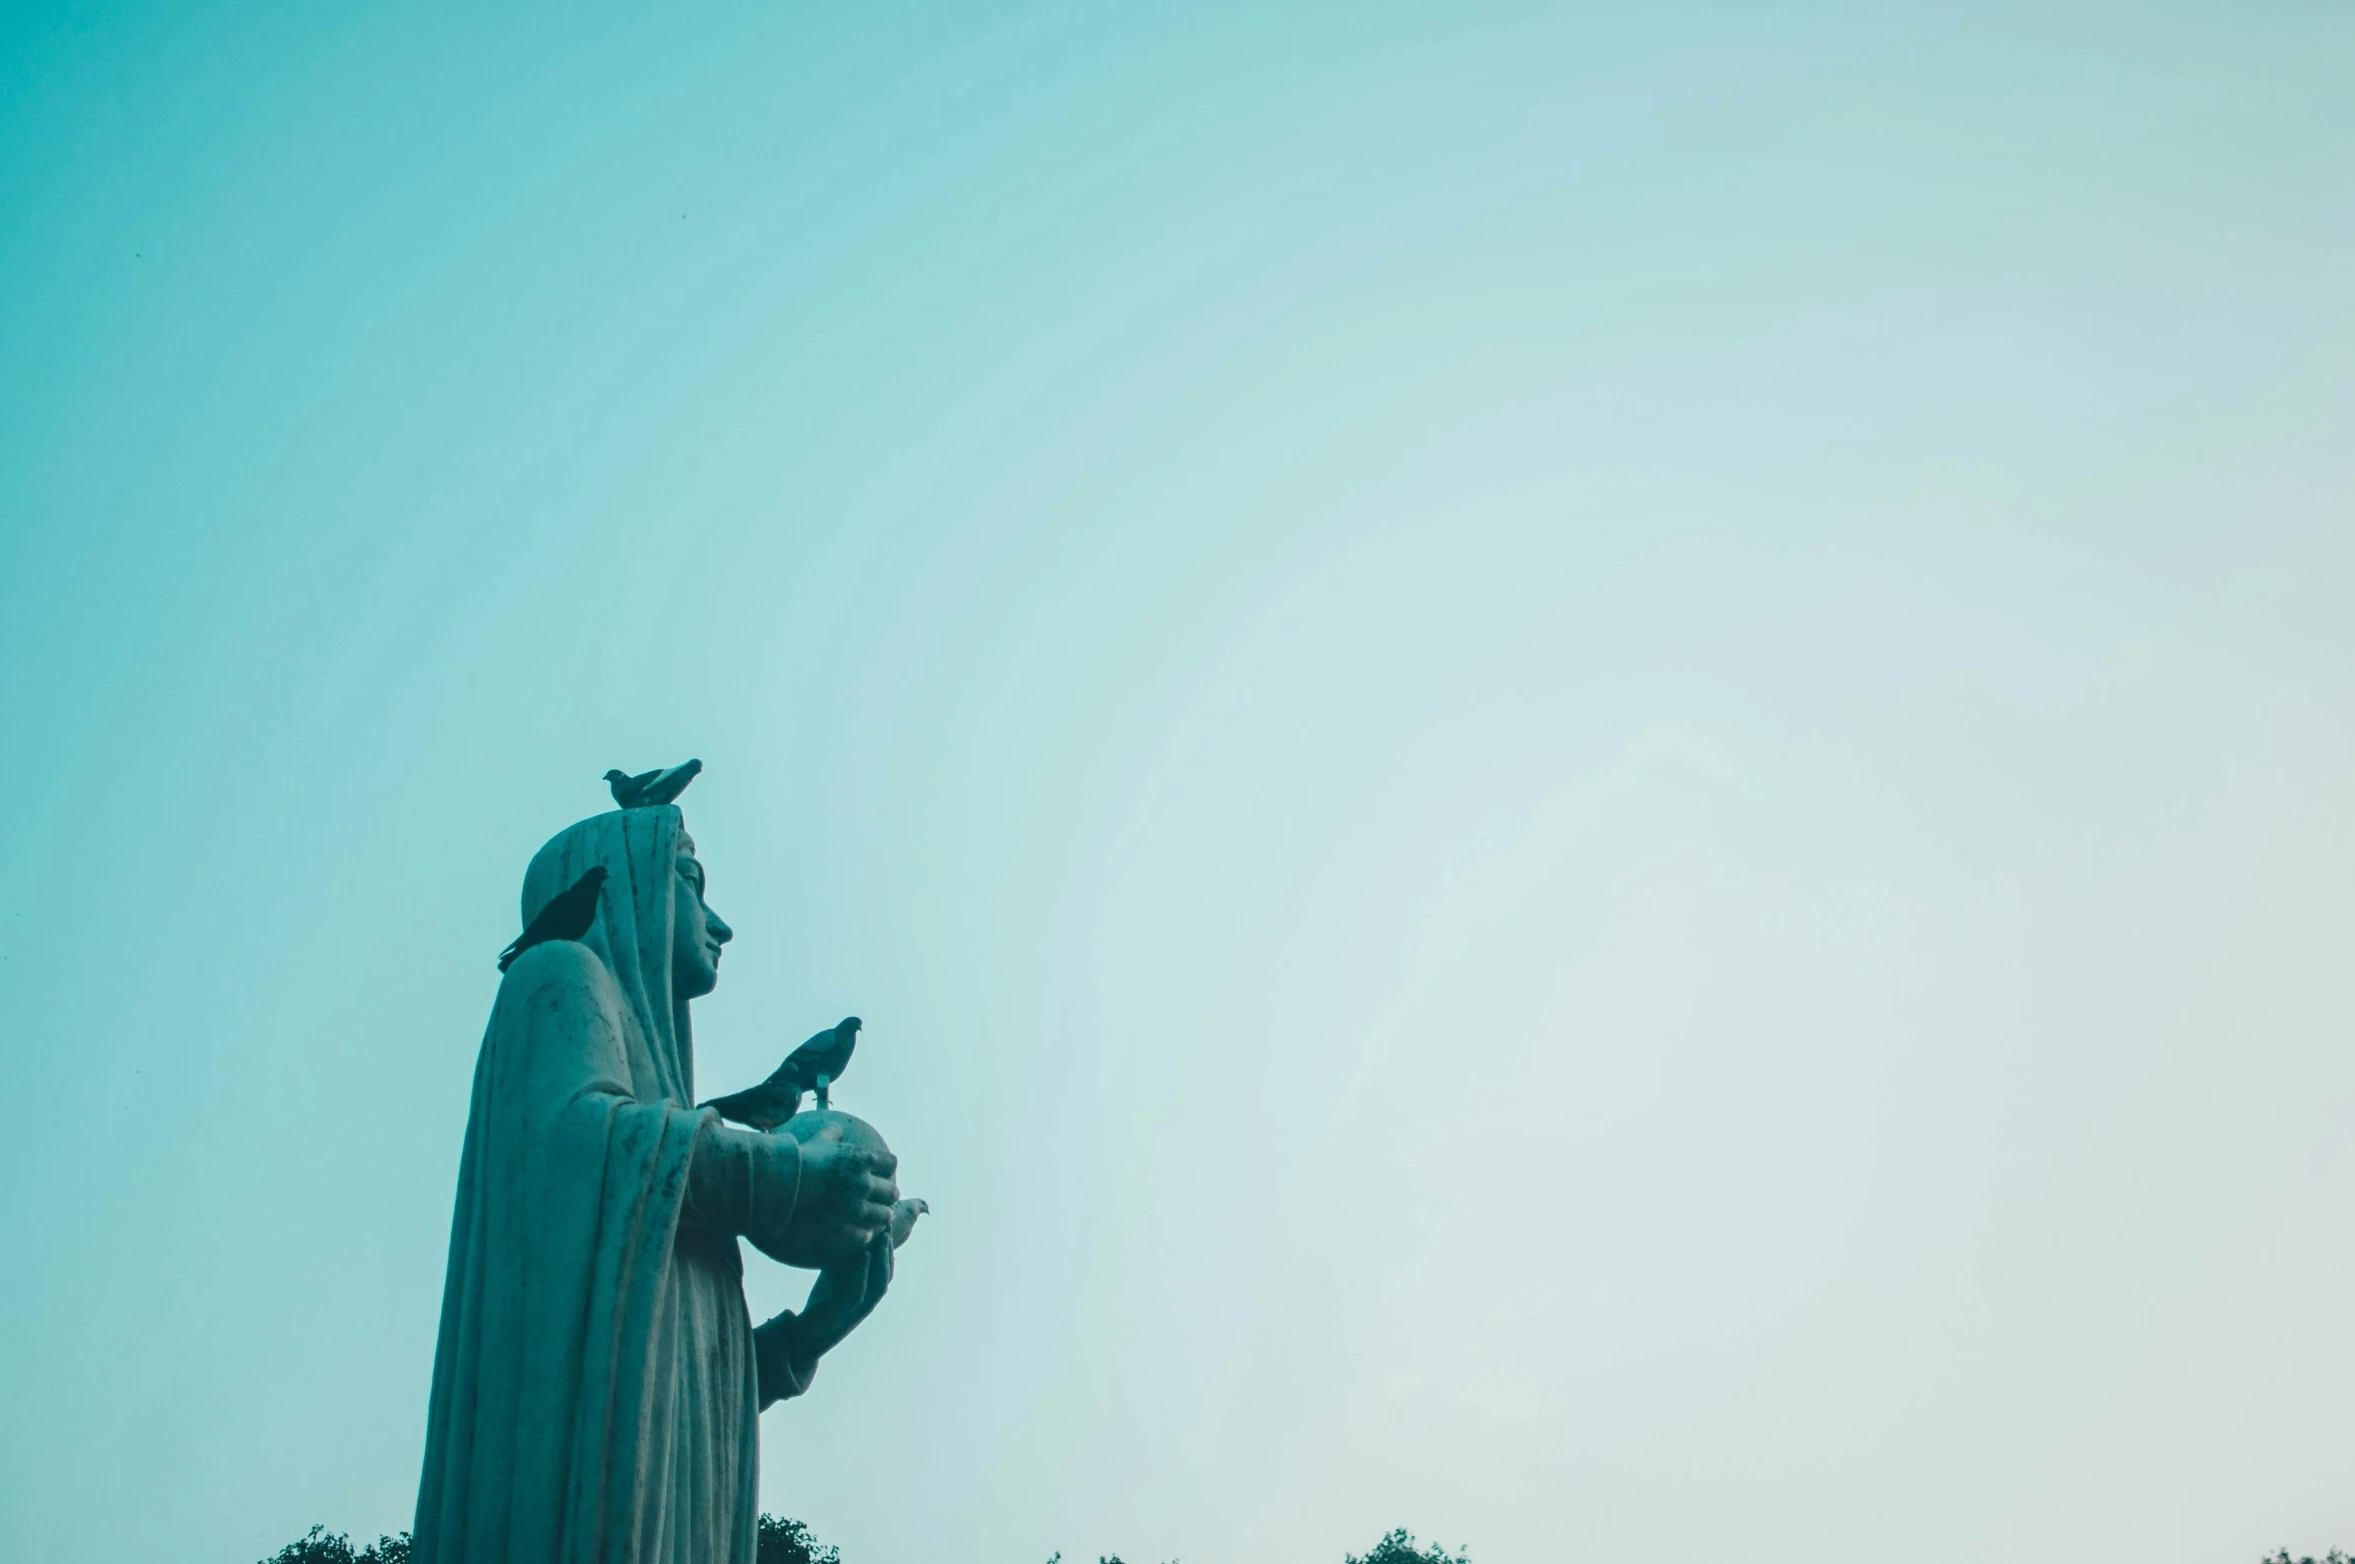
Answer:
x=781 y=1542
x=1398 y=1547
x=321 y=1546
x=790 y=1542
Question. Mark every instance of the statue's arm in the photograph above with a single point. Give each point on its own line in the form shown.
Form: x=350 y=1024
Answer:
x=783 y=1373
x=743 y=1183
x=738 y=1182
x=787 y=1348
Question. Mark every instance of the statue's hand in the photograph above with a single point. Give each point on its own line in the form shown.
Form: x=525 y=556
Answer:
x=844 y=1203
x=787 y=1348
x=843 y=1295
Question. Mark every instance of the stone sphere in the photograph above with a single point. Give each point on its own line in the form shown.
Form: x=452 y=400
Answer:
x=834 y=1124
x=828 y=1124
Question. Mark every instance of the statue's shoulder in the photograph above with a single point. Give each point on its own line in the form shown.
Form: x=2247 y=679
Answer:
x=560 y=972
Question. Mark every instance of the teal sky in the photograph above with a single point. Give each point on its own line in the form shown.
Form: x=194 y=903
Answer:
x=1590 y=772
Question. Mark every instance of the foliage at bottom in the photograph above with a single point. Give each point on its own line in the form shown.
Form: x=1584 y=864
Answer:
x=790 y=1542
x=321 y=1546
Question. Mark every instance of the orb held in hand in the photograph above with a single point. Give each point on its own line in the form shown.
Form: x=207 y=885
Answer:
x=828 y=1124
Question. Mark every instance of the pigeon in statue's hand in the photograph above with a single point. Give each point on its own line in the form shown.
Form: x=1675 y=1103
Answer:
x=903 y=1220
x=815 y=1064
x=649 y=788
x=567 y=916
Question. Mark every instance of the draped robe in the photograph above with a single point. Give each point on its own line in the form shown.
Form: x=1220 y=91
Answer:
x=595 y=1398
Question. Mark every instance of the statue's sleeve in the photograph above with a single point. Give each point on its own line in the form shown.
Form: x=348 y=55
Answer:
x=781 y=1378
x=740 y=1182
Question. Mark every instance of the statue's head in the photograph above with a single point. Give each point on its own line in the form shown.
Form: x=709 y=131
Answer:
x=697 y=932
x=653 y=931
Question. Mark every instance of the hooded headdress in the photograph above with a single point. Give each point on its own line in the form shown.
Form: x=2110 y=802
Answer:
x=638 y=850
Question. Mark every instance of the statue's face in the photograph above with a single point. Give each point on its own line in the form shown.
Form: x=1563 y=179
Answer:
x=696 y=931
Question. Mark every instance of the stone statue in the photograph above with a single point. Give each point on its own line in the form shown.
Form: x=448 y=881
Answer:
x=598 y=1381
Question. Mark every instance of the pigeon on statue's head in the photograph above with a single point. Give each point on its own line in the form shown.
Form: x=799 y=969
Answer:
x=649 y=788
x=567 y=916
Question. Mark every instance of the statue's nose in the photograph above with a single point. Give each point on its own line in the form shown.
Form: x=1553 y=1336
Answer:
x=719 y=928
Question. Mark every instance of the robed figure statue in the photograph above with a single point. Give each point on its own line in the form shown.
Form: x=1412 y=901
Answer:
x=598 y=1381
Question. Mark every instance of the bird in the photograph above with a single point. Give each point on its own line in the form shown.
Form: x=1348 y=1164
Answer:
x=567 y=916
x=815 y=1064
x=821 y=1061
x=765 y=1106
x=649 y=788
x=903 y=1220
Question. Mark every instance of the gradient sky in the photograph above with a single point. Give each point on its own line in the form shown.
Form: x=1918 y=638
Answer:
x=1590 y=772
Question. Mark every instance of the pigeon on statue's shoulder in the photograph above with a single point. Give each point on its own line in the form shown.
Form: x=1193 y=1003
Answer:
x=568 y=915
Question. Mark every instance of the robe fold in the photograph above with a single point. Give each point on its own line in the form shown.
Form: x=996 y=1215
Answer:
x=594 y=1388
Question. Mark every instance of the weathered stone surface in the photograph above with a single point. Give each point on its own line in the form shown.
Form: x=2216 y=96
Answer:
x=597 y=1383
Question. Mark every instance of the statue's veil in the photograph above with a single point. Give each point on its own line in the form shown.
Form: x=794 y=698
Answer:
x=632 y=935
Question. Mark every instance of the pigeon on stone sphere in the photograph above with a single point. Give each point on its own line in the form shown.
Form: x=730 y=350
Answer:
x=765 y=1106
x=815 y=1063
x=820 y=1062
x=649 y=788
x=567 y=916
x=903 y=1220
